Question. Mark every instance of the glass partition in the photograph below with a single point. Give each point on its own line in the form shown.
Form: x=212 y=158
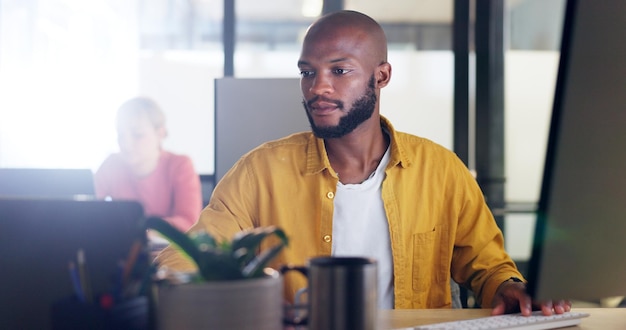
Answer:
x=533 y=36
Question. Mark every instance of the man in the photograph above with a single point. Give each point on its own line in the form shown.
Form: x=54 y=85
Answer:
x=355 y=186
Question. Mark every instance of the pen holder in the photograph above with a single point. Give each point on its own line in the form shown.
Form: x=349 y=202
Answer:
x=131 y=314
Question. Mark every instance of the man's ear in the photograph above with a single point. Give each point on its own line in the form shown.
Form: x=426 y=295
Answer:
x=383 y=74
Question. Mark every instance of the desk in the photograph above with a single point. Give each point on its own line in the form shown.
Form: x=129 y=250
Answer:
x=600 y=318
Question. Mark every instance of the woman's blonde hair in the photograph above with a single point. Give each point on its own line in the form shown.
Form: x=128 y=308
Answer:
x=139 y=106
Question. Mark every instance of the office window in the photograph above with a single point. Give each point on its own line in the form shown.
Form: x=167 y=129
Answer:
x=180 y=55
x=66 y=65
x=268 y=37
x=419 y=99
x=533 y=35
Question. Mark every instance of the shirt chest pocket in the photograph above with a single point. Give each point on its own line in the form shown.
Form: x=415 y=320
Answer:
x=431 y=258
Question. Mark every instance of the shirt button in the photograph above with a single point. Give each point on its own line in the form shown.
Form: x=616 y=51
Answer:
x=327 y=238
x=330 y=195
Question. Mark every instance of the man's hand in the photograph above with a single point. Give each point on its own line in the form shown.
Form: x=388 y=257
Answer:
x=511 y=297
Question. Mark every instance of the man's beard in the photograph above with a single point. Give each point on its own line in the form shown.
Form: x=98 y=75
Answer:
x=361 y=110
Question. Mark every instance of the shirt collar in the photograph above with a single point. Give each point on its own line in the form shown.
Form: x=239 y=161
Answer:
x=317 y=159
x=398 y=152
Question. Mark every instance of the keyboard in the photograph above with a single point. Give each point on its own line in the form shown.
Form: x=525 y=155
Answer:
x=535 y=321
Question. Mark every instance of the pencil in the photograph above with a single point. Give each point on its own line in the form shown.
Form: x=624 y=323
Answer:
x=82 y=274
x=74 y=277
x=131 y=260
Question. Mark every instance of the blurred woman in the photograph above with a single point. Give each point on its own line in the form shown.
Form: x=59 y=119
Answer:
x=166 y=184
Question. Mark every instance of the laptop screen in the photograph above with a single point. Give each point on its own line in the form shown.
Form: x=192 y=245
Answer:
x=46 y=183
x=38 y=239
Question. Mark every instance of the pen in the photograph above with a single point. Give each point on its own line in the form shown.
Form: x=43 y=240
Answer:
x=118 y=288
x=131 y=260
x=76 y=281
x=82 y=274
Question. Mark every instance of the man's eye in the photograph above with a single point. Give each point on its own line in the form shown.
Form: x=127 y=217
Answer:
x=305 y=73
x=340 y=71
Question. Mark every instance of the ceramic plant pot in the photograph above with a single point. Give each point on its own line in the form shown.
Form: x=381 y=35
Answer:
x=255 y=304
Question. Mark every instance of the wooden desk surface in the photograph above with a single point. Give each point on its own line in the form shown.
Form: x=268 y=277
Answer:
x=599 y=319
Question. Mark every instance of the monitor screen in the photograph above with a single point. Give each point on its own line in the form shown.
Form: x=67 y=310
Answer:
x=39 y=238
x=580 y=238
x=241 y=124
x=47 y=183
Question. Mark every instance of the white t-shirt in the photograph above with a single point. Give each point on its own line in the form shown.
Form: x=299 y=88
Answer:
x=360 y=228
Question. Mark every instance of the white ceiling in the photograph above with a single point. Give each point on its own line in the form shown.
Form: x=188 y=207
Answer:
x=384 y=11
x=415 y=11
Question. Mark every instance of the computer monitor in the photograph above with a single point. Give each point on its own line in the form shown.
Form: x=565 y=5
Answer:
x=46 y=183
x=272 y=108
x=580 y=239
x=38 y=239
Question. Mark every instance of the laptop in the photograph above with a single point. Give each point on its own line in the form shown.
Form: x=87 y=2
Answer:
x=38 y=239
x=47 y=183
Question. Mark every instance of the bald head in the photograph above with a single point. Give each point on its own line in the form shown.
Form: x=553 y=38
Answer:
x=343 y=65
x=350 y=25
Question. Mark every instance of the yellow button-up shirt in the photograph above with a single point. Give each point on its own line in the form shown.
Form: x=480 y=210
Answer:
x=439 y=224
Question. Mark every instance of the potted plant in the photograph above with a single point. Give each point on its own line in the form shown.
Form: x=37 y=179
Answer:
x=232 y=289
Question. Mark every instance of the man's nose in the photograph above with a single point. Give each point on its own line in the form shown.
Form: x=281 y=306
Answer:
x=322 y=84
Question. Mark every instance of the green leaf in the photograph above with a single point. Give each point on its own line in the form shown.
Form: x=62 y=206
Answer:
x=174 y=236
x=218 y=265
x=251 y=240
x=223 y=260
x=256 y=266
x=203 y=241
